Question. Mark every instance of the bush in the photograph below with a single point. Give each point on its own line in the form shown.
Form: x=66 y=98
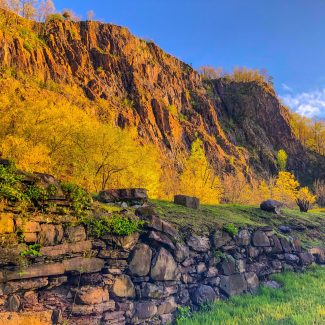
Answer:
x=10 y=184
x=54 y=17
x=115 y=224
x=231 y=229
x=33 y=250
x=79 y=198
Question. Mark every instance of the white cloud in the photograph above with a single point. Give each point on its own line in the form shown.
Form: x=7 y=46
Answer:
x=310 y=104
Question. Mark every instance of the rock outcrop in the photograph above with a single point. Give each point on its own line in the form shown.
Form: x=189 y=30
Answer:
x=164 y=99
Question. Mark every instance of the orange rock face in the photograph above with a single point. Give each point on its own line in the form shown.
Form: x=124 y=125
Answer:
x=162 y=98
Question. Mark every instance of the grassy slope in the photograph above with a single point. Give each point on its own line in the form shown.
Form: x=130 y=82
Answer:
x=300 y=301
x=209 y=216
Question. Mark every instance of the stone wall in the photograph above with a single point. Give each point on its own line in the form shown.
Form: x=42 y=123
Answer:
x=139 y=279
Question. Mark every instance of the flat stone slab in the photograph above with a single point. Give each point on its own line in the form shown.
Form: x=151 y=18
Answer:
x=187 y=201
x=24 y=318
x=126 y=194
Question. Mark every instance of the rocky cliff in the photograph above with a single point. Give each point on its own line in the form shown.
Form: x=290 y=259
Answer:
x=163 y=98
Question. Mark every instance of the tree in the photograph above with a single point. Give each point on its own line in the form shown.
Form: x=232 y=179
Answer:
x=198 y=177
x=28 y=8
x=210 y=73
x=286 y=188
x=46 y=9
x=305 y=199
x=282 y=159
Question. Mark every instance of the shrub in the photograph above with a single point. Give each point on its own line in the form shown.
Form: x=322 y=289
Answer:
x=305 y=199
x=10 y=184
x=33 y=250
x=79 y=198
x=231 y=229
x=115 y=224
x=54 y=17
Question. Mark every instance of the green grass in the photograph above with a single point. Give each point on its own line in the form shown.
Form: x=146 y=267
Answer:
x=210 y=216
x=301 y=301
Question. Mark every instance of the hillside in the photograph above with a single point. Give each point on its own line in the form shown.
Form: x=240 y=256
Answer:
x=132 y=83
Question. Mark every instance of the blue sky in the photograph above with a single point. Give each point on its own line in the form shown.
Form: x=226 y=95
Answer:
x=286 y=37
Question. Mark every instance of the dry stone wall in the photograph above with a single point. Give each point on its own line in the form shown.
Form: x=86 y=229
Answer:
x=138 y=279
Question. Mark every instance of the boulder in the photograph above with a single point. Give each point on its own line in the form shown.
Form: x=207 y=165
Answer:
x=167 y=319
x=92 y=295
x=161 y=238
x=168 y=306
x=306 y=258
x=127 y=194
x=145 y=212
x=95 y=309
x=260 y=239
x=212 y=272
x=286 y=245
x=72 y=248
x=28 y=318
x=32 y=284
x=203 y=294
x=123 y=287
x=27 y=225
x=182 y=252
x=272 y=284
x=233 y=284
x=276 y=245
x=50 y=234
x=187 y=201
x=271 y=206
x=140 y=260
x=125 y=242
x=243 y=238
x=291 y=258
x=150 y=290
x=201 y=268
x=164 y=267
x=252 y=281
x=83 y=265
x=76 y=234
x=30 y=237
x=169 y=229
x=199 y=244
x=220 y=238
x=319 y=254
x=228 y=266
x=285 y=229
x=145 y=310
x=13 y=303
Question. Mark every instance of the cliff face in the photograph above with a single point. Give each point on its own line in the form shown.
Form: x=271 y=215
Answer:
x=254 y=118
x=162 y=97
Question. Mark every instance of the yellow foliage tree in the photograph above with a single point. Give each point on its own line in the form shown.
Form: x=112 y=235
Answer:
x=285 y=188
x=198 y=177
x=282 y=158
x=57 y=130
